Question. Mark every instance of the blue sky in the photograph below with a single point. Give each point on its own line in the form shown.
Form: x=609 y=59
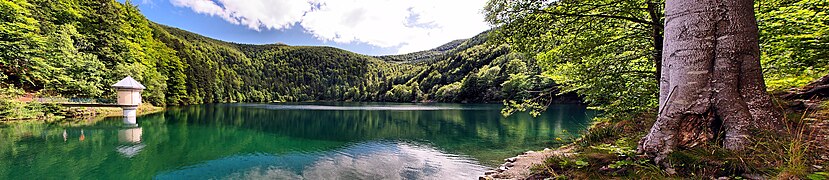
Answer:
x=372 y=27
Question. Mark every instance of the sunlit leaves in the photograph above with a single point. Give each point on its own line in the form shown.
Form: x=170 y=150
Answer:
x=794 y=36
x=19 y=39
x=601 y=50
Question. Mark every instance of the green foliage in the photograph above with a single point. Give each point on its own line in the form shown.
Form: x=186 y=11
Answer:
x=73 y=73
x=426 y=55
x=534 y=107
x=605 y=51
x=608 y=51
x=794 y=36
x=577 y=163
x=400 y=93
x=78 y=48
x=11 y=109
x=598 y=134
x=620 y=148
x=19 y=38
x=517 y=86
x=475 y=70
x=581 y=164
x=818 y=176
x=449 y=92
x=74 y=48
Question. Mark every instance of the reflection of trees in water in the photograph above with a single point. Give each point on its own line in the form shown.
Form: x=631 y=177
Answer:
x=190 y=135
x=39 y=152
x=465 y=131
x=361 y=125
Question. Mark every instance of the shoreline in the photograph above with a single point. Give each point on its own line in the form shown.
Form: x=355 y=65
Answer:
x=520 y=166
x=71 y=114
x=107 y=112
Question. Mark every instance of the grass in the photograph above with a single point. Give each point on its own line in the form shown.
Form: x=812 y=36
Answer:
x=12 y=110
x=797 y=148
x=103 y=112
x=782 y=82
x=607 y=151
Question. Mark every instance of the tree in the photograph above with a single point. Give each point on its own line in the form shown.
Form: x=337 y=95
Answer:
x=711 y=81
x=72 y=73
x=607 y=51
x=20 y=57
x=793 y=37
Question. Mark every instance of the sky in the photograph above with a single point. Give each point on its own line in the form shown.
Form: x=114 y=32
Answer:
x=371 y=27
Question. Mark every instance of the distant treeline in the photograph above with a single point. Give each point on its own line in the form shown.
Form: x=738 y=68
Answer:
x=77 y=48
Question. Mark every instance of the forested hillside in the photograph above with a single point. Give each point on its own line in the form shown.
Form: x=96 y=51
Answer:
x=77 y=48
x=474 y=70
x=227 y=72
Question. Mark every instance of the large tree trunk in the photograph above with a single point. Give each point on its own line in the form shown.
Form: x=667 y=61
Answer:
x=711 y=84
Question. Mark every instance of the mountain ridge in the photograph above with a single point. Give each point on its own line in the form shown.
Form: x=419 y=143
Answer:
x=443 y=48
x=76 y=48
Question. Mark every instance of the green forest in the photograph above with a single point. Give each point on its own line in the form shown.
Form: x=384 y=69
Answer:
x=77 y=49
x=642 y=62
x=621 y=57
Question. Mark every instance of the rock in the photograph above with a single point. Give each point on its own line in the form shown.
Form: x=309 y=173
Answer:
x=490 y=172
x=509 y=164
x=528 y=152
x=512 y=159
x=502 y=168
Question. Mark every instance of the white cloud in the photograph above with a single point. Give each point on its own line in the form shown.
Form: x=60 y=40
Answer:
x=255 y=14
x=411 y=25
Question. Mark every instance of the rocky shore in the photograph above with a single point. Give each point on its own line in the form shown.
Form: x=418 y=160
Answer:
x=519 y=167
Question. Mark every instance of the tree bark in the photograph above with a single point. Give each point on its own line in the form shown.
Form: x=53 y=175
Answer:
x=711 y=85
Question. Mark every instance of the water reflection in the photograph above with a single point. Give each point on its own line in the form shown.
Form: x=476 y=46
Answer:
x=229 y=141
x=370 y=160
x=131 y=138
x=383 y=107
x=130 y=135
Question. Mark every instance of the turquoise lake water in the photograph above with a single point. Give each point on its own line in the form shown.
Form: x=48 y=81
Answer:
x=286 y=141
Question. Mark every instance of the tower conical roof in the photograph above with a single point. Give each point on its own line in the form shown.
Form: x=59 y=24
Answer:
x=129 y=83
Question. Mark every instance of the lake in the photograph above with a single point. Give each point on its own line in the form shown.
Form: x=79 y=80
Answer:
x=287 y=141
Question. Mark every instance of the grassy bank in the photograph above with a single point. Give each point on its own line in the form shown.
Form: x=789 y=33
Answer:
x=104 y=112
x=11 y=110
x=608 y=150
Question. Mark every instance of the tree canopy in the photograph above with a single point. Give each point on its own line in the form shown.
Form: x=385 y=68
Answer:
x=609 y=51
x=77 y=48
